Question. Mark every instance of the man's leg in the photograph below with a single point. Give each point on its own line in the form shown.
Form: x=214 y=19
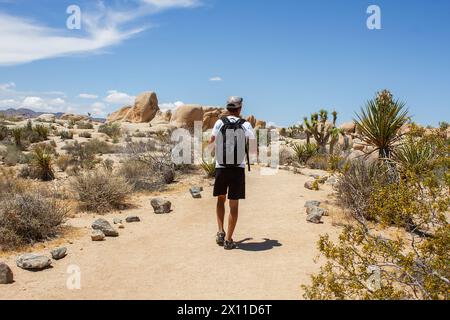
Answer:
x=221 y=211
x=232 y=221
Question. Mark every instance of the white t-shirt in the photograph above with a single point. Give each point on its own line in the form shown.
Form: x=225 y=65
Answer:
x=248 y=129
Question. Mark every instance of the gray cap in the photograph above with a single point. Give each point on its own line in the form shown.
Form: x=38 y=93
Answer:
x=234 y=102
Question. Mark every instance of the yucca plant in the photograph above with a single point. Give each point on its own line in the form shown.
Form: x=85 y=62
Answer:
x=380 y=123
x=209 y=168
x=304 y=152
x=413 y=155
x=320 y=129
x=42 y=163
x=42 y=131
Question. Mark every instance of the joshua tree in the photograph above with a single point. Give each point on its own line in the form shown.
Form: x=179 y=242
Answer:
x=380 y=122
x=322 y=130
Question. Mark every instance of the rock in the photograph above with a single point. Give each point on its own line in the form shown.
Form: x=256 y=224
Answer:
x=132 y=219
x=316 y=209
x=47 y=117
x=59 y=253
x=196 y=192
x=30 y=261
x=161 y=206
x=315 y=215
x=162 y=117
x=312 y=203
x=312 y=185
x=358 y=145
x=186 y=116
x=252 y=121
x=210 y=118
x=356 y=155
x=105 y=227
x=144 y=110
x=260 y=125
x=74 y=117
x=6 y=275
x=348 y=127
x=331 y=180
x=117 y=221
x=97 y=235
x=120 y=226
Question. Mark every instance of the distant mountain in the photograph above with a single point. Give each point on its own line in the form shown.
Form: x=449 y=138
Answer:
x=30 y=114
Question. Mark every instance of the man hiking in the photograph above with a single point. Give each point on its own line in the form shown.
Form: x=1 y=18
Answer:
x=231 y=136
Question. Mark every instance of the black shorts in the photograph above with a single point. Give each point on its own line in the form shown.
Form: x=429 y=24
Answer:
x=230 y=181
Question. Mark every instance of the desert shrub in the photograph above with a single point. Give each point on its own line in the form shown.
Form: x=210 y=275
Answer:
x=335 y=162
x=113 y=130
x=40 y=166
x=82 y=125
x=85 y=134
x=13 y=155
x=99 y=147
x=17 y=134
x=318 y=161
x=209 y=168
x=444 y=125
x=139 y=134
x=63 y=162
x=28 y=217
x=81 y=155
x=47 y=147
x=355 y=186
x=4 y=132
x=42 y=131
x=65 y=135
x=101 y=191
x=303 y=152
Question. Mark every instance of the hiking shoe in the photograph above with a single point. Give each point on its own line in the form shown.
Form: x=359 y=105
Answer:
x=230 y=245
x=220 y=239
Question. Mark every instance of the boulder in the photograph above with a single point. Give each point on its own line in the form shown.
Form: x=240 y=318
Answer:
x=6 y=275
x=312 y=203
x=59 y=253
x=105 y=227
x=260 y=125
x=315 y=215
x=162 y=129
x=356 y=155
x=74 y=117
x=161 y=206
x=30 y=261
x=185 y=116
x=47 y=117
x=358 y=145
x=97 y=235
x=162 y=117
x=348 y=127
x=210 y=118
x=312 y=185
x=144 y=110
x=317 y=210
x=132 y=219
x=252 y=120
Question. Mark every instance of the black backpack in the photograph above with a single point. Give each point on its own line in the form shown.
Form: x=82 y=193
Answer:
x=232 y=144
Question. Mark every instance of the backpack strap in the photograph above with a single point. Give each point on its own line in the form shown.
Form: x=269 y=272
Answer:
x=225 y=120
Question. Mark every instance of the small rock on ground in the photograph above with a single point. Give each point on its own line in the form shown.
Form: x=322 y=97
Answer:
x=6 y=275
x=133 y=219
x=312 y=203
x=117 y=221
x=30 y=261
x=161 y=206
x=315 y=215
x=97 y=235
x=105 y=227
x=59 y=253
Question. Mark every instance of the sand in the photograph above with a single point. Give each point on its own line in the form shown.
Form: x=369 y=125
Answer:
x=174 y=256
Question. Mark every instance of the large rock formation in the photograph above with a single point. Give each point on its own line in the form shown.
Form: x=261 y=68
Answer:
x=348 y=127
x=185 y=116
x=144 y=110
x=252 y=120
x=74 y=117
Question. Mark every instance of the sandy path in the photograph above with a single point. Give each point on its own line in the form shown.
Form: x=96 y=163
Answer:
x=175 y=257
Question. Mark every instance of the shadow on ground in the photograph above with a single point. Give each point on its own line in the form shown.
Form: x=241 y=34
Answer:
x=266 y=245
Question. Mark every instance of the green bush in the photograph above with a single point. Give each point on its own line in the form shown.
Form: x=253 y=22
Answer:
x=85 y=134
x=209 y=168
x=304 y=152
x=66 y=135
x=82 y=125
x=113 y=130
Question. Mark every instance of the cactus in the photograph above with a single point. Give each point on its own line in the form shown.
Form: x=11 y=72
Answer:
x=323 y=132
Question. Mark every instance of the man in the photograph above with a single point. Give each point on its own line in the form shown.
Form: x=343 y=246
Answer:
x=230 y=180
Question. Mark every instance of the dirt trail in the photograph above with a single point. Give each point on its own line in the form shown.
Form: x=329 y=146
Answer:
x=175 y=257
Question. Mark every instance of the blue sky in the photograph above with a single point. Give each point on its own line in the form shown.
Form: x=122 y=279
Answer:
x=287 y=58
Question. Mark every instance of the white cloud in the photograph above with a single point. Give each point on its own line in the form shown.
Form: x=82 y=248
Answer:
x=116 y=97
x=25 y=40
x=87 y=96
x=216 y=79
x=98 y=109
x=57 y=102
x=166 y=4
x=170 y=106
x=7 y=86
x=9 y=103
x=33 y=103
